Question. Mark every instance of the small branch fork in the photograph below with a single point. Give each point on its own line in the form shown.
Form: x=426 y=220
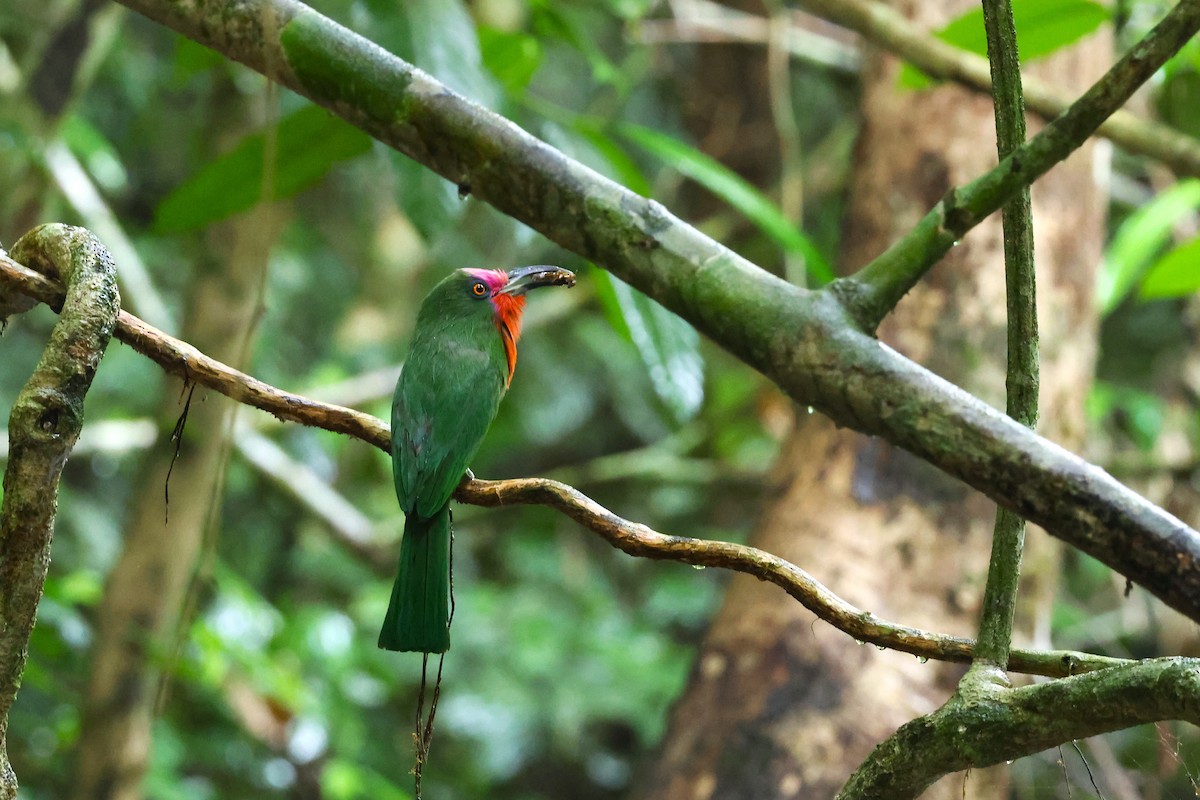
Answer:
x=179 y=358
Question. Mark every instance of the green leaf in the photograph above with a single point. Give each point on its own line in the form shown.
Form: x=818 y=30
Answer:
x=1174 y=275
x=735 y=190
x=1043 y=26
x=308 y=143
x=1178 y=101
x=512 y=57
x=669 y=346
x=430 y=201
x=621 y=167
x=1139 y=240
x=576 y=25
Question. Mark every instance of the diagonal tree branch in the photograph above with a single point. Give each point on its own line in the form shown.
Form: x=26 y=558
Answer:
x=809 y=343
x=180 y=358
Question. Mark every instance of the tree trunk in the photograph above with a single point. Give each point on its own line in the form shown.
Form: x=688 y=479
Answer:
x=779 y=704
x=144 y=602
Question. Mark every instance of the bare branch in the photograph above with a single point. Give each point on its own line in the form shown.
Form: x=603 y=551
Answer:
x=638 y=540
x=180 y=358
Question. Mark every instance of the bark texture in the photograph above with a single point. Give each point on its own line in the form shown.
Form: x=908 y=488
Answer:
x=779 y=705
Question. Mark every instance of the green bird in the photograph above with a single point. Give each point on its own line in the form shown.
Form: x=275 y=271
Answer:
x=459 y=366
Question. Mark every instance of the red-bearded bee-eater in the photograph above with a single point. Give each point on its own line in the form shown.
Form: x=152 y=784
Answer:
x=459 y=366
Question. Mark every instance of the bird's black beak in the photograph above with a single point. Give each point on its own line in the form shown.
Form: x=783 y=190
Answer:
x=522 y=279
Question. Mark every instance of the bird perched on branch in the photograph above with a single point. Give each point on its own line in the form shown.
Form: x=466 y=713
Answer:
x=460 y=363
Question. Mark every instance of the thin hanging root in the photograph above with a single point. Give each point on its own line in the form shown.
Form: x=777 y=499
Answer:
x=423 y=730
x=177 y=440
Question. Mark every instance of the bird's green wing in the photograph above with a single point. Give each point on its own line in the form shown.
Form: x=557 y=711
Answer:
x=445 y=401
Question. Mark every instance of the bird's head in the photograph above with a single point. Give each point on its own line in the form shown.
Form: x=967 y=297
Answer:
x=499 y=294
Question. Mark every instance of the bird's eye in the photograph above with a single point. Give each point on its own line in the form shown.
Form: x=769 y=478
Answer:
x=479 y=288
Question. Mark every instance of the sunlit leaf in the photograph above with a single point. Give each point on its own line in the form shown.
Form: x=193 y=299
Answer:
x=307 y=143
x=1043 y=26
x=1139 y=240
x=1175 y=274
x=669 y=346
x=735 y=190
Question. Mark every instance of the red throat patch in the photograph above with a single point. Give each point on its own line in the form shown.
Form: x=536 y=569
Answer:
x=508 y=321
x=507 y=310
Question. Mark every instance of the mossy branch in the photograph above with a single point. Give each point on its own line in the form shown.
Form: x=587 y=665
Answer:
x=991 y=724
x=181 y=359
x=43 y=427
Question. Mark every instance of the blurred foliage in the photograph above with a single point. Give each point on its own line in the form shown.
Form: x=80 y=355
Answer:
x=1044 y=26
x=566 y=653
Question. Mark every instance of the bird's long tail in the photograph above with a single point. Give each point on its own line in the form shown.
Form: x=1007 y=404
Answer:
x=418 y=614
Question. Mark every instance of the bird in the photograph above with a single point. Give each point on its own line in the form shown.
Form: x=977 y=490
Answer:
x=460 y=364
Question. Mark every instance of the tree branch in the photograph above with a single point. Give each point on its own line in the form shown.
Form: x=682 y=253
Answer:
x=992 y=724
x=43 y=427
x=181 y=359
x=886 y=28
x=1008 y=539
